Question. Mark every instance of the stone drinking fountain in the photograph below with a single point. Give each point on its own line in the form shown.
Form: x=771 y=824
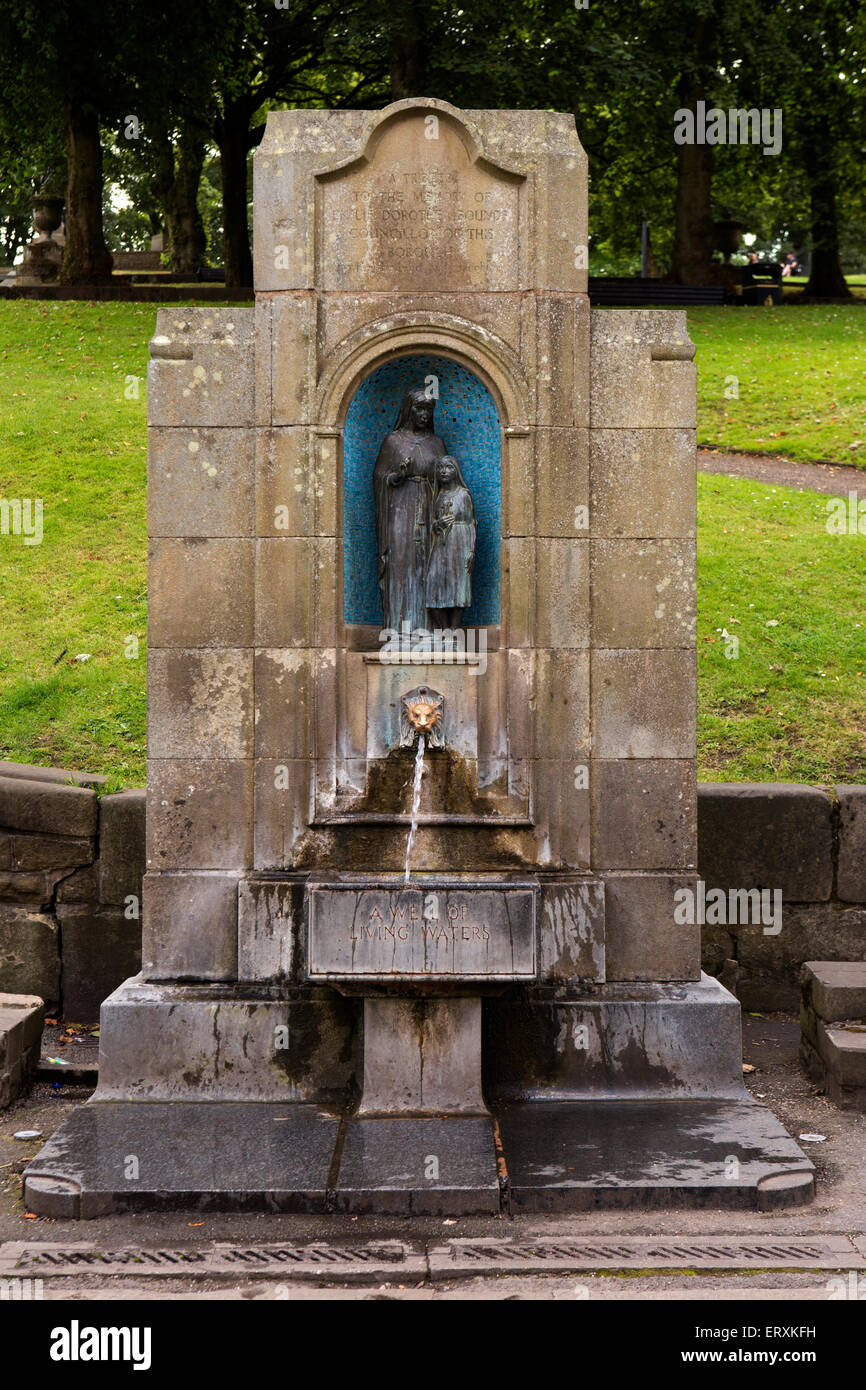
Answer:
x=421 y=719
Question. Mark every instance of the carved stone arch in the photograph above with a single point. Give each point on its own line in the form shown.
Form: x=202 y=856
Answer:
x=400 y=335
x=482 y=353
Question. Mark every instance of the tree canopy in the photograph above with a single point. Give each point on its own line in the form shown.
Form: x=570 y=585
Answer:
x=167 y=102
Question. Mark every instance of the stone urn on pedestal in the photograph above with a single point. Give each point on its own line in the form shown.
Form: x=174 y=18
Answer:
x=42 y=258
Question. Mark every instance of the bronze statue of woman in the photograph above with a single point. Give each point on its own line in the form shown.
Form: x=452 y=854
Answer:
x=404 y=482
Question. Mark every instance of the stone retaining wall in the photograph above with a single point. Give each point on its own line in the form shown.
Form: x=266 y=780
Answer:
x=807 y=842
x=71 y=864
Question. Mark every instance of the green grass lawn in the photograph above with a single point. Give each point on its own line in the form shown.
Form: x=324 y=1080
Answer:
x=787 y=703
x=789 y=707
x=800 y=376
x=795 y=284
x=71 y=435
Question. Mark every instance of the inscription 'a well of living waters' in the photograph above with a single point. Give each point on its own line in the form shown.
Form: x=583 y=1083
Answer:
x=406 y=919
x=429 y=929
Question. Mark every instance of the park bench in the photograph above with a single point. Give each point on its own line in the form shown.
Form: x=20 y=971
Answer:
x=632 y=291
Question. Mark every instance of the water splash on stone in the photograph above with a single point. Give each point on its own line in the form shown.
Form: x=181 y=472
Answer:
x=416 y=802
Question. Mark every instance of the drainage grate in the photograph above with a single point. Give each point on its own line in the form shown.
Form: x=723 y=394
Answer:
x=341 y=1262
x=679 y=1253
x=460 y=1257
x=381 y=1261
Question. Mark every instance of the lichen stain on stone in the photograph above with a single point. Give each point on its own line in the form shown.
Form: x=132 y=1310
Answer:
x=289 y=661
x=217 y=690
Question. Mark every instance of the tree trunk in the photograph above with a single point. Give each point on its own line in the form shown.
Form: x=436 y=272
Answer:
x=693 y=233
x=233 y=139
x=176 y=185
x=826 y=280
x=86 y=258
x=408 y=59
x=652 y=265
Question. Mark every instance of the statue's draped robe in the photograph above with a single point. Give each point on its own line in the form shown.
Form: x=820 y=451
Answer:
x=403 y=517
x=449 y=572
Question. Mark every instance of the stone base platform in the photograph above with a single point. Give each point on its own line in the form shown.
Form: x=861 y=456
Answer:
x=630 y=1096
x=533 y=1157
x=578 y=1155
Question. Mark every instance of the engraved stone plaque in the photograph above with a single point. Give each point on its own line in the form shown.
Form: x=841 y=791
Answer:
x=421 y=210
x=434 y=929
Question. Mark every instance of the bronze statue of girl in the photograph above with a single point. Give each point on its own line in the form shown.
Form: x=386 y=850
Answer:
x=452 y=552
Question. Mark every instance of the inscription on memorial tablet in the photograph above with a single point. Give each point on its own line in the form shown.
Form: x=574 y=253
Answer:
x=415 y=930
x=420 y=215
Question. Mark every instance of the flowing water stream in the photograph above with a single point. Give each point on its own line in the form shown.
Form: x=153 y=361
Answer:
x=416 y=802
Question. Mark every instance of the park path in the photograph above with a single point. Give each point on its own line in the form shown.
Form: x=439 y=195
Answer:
x=836 y=479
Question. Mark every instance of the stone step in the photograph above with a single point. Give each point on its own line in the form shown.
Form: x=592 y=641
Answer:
x=843 y=1049
x=20 y=1040
x=835 y=990
x=833 y=1023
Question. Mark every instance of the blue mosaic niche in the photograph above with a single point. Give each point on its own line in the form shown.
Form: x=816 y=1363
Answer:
x=467 y=422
